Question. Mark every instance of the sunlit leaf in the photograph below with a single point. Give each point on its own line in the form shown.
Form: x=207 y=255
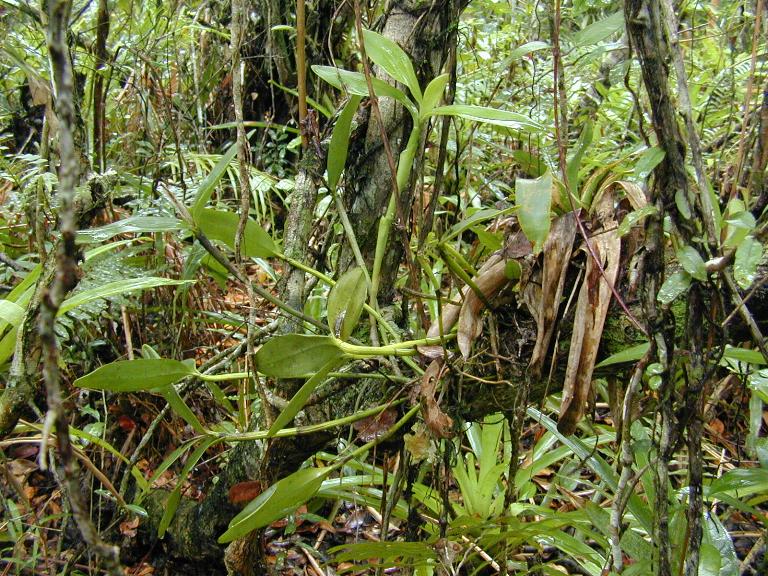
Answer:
x=116 y=288
x=132 y=225
x=647 y=162
x=527 y=48
x=354 y=83
x=222 y=225
x=11 y=312
x=393 y=60
x=433 y=94
x=487 y=115
x=208 y=185
x=599 y=30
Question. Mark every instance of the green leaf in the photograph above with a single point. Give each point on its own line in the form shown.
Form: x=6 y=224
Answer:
x=177 y=404
x=296 y=355
x=647 y=162
x=208 y=185
x=744 y=355
x=354 y=83
x=709 y=564
x=632 y=354
x=117 y=288
x=222 y=225
x=393 y=60
x=390 y=553
x=11 y=312
x=432 y=95
x=526 y=48
x=300 y=398
x=596 y=463
x=575 y=158
x=136 y=375
x=675 y=285
x=337 y=151
x=132 y=225
x=748 y=257
x=693 y=263
x=599 y=30
x=487 y=115
x=345 y=302
x=635 y=217
x=717 y=536
x=534 y=198
x=276 y=502
x=739 y=225
x=175 y=497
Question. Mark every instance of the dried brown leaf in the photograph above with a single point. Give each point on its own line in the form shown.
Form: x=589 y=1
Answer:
x=557 y=256
x=591 y=310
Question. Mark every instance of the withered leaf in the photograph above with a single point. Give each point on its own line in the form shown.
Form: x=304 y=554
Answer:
x=591 y=310
x=557 y=257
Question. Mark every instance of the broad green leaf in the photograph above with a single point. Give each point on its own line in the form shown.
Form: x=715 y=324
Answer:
x=748 y=257
x=738 y=227
x=117 y=288
x=136 y=375
x=132 y=225
x=11 y=312
x=632 y=354
x=717 y=536
x=222 y=225
x=393 y=60
x=742 y=482
x=744 y=355
x=710 y=562
x=432 y=95
x=208 y=185
x=337 y=151
x=345 y=302
x=300 y=398
x=675 y=285
x=692 y=262
x=277 y=501
x=296 y=355
x=487 y=115
x=527 y=48
x=533 y=199
x=599 y=30
x=354 y=83
x=647 y=162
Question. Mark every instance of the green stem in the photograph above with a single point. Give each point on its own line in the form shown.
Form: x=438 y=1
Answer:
x=404 y=167
x=406 y=348
x=311 y=429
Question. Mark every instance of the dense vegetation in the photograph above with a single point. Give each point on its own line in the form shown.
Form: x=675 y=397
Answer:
x=405 y=287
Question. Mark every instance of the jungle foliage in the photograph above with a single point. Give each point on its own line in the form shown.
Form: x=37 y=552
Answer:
x=416 y=288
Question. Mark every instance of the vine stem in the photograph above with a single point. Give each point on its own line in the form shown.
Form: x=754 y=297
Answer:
x=64 y=280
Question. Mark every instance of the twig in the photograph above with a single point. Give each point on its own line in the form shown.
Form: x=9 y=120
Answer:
x=64 y=280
